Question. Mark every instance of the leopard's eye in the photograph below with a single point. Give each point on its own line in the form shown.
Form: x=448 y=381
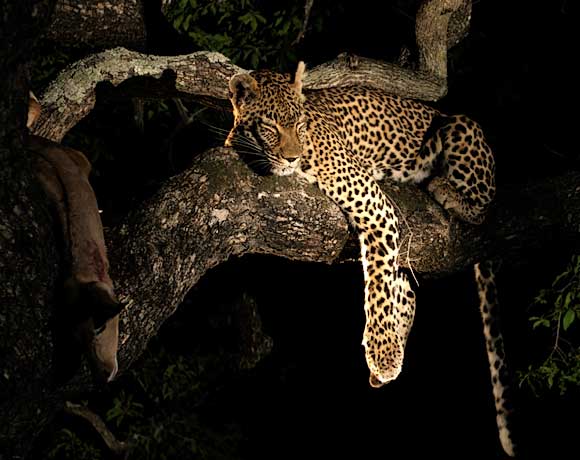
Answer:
x=269 y=127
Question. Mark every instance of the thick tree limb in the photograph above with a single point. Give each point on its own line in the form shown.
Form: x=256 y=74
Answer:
x=205 y=75
x=220 y=208
x=356 y=70
x=431 y=31
x=28 y=265
x=217 y=209
x=71 y=96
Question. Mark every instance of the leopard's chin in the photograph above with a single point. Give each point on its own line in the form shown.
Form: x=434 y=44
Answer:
x=286 y=169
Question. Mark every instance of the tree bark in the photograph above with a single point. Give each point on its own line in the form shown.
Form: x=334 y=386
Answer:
x=432 y=38
x=29 y=263
x=205 y=75
x=71 y=96
x=100 y=24
x=202 y=75
x=219 y=208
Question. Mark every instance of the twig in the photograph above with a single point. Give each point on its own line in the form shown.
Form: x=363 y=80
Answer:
x=307 y=8
x=555 y=348
x=410 y=233
x=184 y=115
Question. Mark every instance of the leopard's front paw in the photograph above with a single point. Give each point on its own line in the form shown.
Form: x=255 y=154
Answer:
x=443 y=193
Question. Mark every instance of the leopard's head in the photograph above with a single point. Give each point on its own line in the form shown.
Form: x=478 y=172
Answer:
x=269 y=125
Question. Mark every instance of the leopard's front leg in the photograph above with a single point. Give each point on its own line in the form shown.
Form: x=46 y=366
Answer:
x=389 y=300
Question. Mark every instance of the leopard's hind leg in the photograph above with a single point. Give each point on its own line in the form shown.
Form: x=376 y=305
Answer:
x=464 y=181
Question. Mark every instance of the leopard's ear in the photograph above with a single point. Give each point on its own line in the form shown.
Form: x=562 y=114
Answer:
x=243 y=88
x=300 y=71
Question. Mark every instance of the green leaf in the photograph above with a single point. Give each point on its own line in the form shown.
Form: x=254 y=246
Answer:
x=255 y=60
x=247 y=53
x=576 y=264
x=260 y=18
x=538 y=321
x=245 y=18
x=569 y=318
x=187 y=21
x=541 y=298
x=559 y=278
x=177 y=22
x=224 y=16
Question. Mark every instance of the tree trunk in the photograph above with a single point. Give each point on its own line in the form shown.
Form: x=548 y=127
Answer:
x=29 y=263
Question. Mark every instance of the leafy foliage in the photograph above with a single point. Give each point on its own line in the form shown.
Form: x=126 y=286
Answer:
x=249 y=32
x=159 y=417
x=560 y=307
x=68 y=445
x=125 y=409
x=156 y=409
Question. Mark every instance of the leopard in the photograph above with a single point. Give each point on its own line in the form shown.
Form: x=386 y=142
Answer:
x=347 y=139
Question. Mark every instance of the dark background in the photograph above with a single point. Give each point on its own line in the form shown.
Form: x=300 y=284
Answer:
x=310 y=398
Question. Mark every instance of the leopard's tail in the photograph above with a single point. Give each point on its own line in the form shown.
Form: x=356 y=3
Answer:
x=500 y=377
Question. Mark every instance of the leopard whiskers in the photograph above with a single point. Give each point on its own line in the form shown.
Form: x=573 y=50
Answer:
x=409 y=237
x=222 y=134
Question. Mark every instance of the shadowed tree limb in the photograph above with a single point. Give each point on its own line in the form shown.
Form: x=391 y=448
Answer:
x=72 y=95
x=114 y=445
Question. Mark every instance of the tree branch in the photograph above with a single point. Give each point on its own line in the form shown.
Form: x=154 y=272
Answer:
x=349 y=70
x=219 y=208
x=72 y=95
x=307 y=8
x=205 y=75
x=458 y=26
x=431 y=32
x=115 y=446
